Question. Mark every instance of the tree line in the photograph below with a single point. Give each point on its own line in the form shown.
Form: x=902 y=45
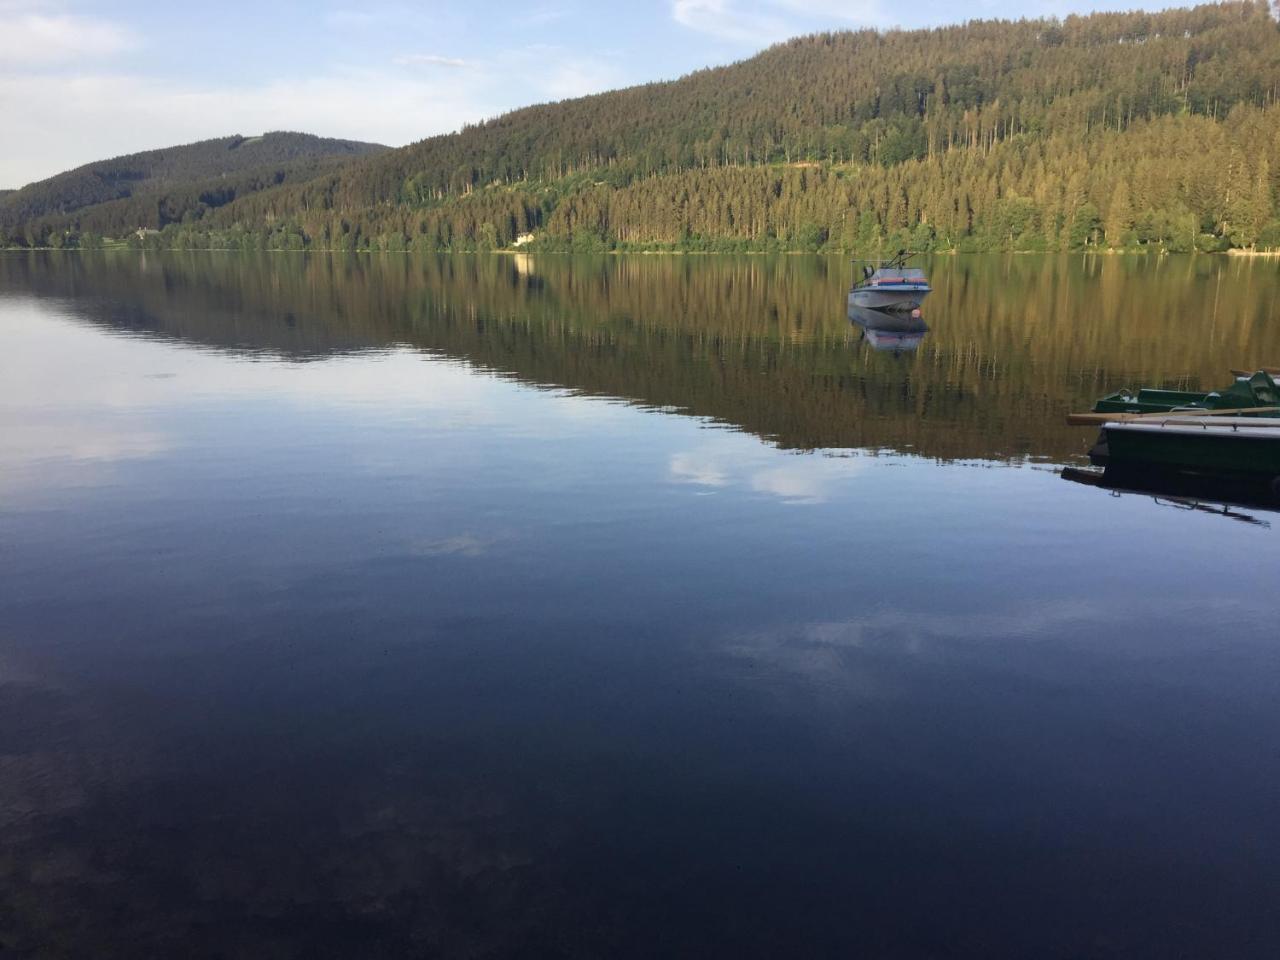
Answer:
x=1131 y=130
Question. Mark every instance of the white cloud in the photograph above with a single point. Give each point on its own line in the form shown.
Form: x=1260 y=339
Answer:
x=71 y=438
x=74 y=118
x=726 y=20
x=822 y=656
x=577 y=78
x=698 y=467
x=34 y=39
x=769 y=21
x=818 y=654
x=843 y=12
x=427 y=59
x=542 y=16
x=346 y=18
x=463 y=545
x=732 y=462
x=796 y=483
x=71 y=120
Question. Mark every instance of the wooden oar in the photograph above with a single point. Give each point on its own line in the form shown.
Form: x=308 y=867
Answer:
x=1084 y=419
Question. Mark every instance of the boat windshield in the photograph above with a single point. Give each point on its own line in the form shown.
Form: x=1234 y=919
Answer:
x=906 y=273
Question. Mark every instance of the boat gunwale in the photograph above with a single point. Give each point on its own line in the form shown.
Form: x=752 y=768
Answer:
x=1262 y=428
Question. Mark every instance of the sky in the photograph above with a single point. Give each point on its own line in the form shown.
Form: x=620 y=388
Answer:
x=84 y=80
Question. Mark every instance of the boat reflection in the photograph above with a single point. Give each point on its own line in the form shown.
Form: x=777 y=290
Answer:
x=1221 y=495
x=889 y=332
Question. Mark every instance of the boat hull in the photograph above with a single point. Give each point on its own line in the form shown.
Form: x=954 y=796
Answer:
x=1230 y=446
x=892 y=341
x=898 y=332
x=889 y=297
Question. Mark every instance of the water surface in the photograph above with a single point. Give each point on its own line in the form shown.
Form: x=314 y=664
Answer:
x=467 y=607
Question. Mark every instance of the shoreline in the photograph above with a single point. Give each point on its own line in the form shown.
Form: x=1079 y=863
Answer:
x=510 y=252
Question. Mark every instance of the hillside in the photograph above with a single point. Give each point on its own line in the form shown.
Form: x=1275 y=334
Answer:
x=173 y=180
x=1126 y=130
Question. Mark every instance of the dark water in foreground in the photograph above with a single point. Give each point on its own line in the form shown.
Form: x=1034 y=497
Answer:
x=620 y=608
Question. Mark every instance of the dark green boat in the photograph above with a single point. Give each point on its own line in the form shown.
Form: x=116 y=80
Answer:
x=1243 y=447
x=1256 y=390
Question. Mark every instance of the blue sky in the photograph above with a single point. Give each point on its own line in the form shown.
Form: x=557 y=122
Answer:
x=82 y=80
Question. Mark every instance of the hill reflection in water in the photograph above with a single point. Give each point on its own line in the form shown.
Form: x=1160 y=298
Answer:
x=763 y=344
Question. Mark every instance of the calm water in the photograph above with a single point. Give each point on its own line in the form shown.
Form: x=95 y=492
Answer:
x=621 y=608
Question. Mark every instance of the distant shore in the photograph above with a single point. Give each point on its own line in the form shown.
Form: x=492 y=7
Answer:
x=654 y=252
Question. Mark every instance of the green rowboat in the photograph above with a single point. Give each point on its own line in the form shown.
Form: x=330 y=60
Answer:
x=1256 y=390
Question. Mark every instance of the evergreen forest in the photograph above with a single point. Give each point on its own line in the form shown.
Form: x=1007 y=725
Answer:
x=1151 y=131
x=149 y=190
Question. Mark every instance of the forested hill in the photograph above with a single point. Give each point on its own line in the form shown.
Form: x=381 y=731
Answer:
x=226 y=166
x=1127 y=130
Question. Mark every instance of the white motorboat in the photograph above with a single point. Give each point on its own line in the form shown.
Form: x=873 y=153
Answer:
x=889 y=285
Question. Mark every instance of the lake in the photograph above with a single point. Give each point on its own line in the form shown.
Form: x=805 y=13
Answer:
x=622 y=607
